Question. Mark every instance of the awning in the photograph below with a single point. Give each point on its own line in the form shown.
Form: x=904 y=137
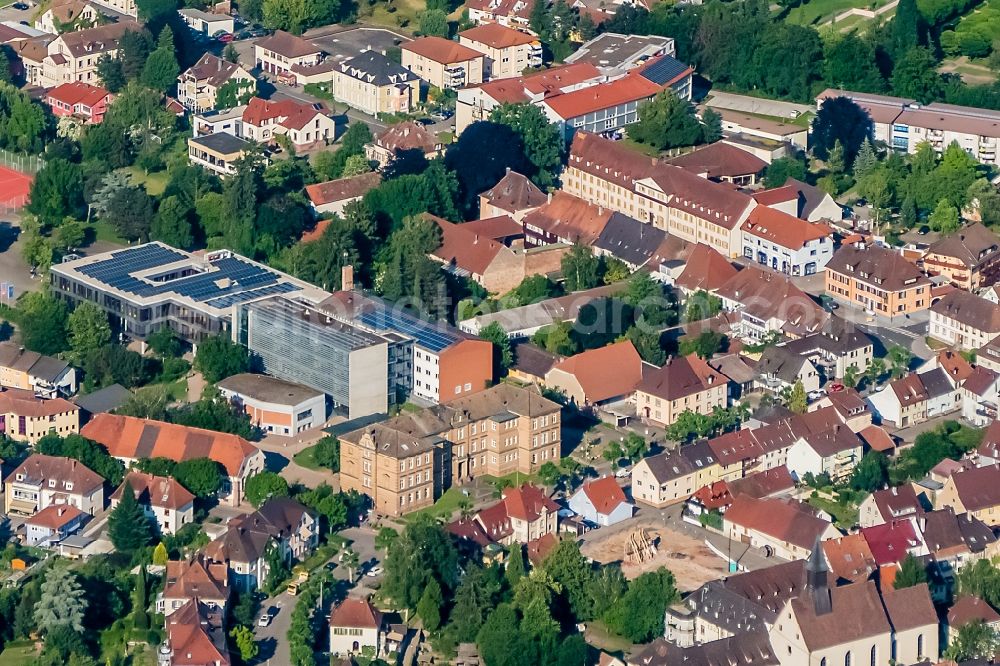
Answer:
x=27 y=507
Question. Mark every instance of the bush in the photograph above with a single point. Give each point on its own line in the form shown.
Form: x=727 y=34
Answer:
x=711 y=519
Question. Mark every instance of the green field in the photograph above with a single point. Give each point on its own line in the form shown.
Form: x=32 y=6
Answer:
x=307 y=458
x=446 y=505
x=815 y=12
x=19 y=653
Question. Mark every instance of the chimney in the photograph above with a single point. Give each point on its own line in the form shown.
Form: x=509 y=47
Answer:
x=476 y=241
x=347 y=278
x=550 y=201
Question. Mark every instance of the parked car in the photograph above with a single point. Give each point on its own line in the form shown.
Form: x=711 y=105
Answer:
x=374 y=572
x=225 y=37
x=265 y=619
x=20 y=6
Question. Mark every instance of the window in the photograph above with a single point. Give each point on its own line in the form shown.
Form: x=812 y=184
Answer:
x=847 y=658
x=874 y=655
x=920 y=646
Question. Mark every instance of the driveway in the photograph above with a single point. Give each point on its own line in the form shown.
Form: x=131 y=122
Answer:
x=13 y=268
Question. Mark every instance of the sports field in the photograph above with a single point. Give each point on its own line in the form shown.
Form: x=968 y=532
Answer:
x=14 y=188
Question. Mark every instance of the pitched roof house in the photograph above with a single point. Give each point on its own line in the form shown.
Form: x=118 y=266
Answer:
x=163 y=499
x=969 y=258
x=513 y=195
x=198 y=87
x=41 y=481
x=684 y=383
x=79 y=100
x=975 y=491
x=877 y=279
x=196 y=636
x=786 y=243
x=705 y=270
x=889 y=504
x=356 y=626
x=401 y=140
x=722 y=162
x=769 y=302
x=331 y=197
x=523 y=514
x=601 y=501
x=196 y=578
x=964 y=320
x=673 y=476
x=786 y=528
x=565 y=218
x=598 y=376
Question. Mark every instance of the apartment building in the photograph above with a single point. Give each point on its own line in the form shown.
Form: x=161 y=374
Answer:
x=509 y=13
x=149 y=286
x=508 y=52
x=443 y=63
x=684 y=383
x=82 y=101
x=198 y=86
x=280 y=52
x=523 y=515
x=42 y=481
x=615 y=54
x=24 y=417
x=673 y=476
x=903 y=124
x=407 y=462
x=217 y=153
x=306 y=125
x=373 y=83
x=608 y=174
x=975 y=491
x=169 y=504
x=877 y=279
x=68 y=16
x=969 y=258
x=964 y=320
x=44 y=376
x=72 y=56
x=785 y=243
x=126 y=7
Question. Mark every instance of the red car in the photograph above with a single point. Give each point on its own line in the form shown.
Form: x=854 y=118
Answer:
x=225 y=37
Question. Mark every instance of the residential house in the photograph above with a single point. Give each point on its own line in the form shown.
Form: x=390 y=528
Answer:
x=206 y=23
x=82 y=101
x=683 y=384
x=510 y=13
x=780 y=368
x=126 y=7
x=129 y=439
x=194 y=578
x=566 y=219
x=889 y=504
x=956 y=540
x=835 y=347
x=46 y=376
x=601 y=501
x=27 y=418
x=523 y=514
x=893 y=541
x=42 y=481
x=767 y=302
x=402 y=140
x=704 y=270
x=357 y=627
x=877 y=439
x=633 y=242
x=274 y=405
x=849 y=558
x=785 y=243
x=217 y=153
x=68 y=16
x=196 y=636
x=851 y=407
x=834 y=452
x=280 y=52
x=52 y=524
x=752 y=648
x=974 y=491
x=877 y=279
x=804 y=201
x=987 y=356
x=305 y=125
x=508 y=52
x=673 y=476
x=373 y=83
x=443 y=63
x=722 y=162
x=980 y=395
x=968 y=609
x=331 y=197
x=785 y=528
x=964 y=320
x=162 y=499
x=969 y=258
x=514 y=195
x=718 y=496
x=902 y=403
x=198 y=87
x=73 y=56
x=531 y=363
x=598 y=376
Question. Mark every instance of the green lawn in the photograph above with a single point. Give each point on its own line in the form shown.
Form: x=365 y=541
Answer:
x=818 y=11
x=106 y=233
x=405 y=15
x=307 y=458
x=643 y=148
x=844 y=515
x=446 y=505
x=18 y=653
x=155 y=183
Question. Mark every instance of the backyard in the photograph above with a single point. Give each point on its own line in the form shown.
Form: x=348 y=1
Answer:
x=817 y=12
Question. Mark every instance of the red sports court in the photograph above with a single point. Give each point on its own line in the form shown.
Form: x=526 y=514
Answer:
x=14 y=188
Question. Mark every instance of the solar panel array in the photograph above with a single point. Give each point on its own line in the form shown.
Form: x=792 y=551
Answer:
x=434 y=337
x=246 y=280
x=664 y=70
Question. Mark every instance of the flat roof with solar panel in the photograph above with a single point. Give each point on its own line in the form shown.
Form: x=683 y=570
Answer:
x=435 y=337
x=210 y=282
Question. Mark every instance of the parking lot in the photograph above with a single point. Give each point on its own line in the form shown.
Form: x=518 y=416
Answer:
x=349 y=43
x=8 y=13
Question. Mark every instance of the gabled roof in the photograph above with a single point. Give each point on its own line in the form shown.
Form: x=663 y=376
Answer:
x=877 y=439
x=288 y=45
x=748 y=648
x=604 y=493
x=630 y=88
x=849 y=557
x=408 y=135
x=342 y=189
x=968 y=609
x=680 y=377
x=570 y=217
x=197 y=636
x=980 y=381
x=287 y=112
x=441 y=50
x=783 y=229
x=545 y=83
x=909 y=390
x=606 y=372
x=70 y=476
x=527 y=502
x=720 y=160
x=978 y=488
x=788 y=521
x=830 y=442
x=97 y=40
x=766 y=295
x=514 y=193
x=196 y=578
x=897 y=502
x=497 y=36
x=357 y=614
x=684 y=460
x=706 y=269
x=212 y=69
x=155 y=491
x=18 y=358
x=765 y=483
x=25 y=403
x=278 y=517
x=630 y=240
x=464 y=249
x=884 y=268
x=77 y=92
x=55 y=516
x=971 y=310
x=972 y=245
x=376 y=69
x=890 y=541
x=857 y=613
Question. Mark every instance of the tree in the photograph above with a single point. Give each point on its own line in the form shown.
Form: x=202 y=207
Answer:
x=638 y=614
x=701 y=305
x=356 y=165
x=580 y=268
x=574 y=575
x=515 y=569
x=549 y=474
x=481 y=156
x=982 y=580
x=871 y=473
x=62 y=603
x=849 y=63
x=474 y=600
x=219 y=357
x=350 y=562
x=429 y=606
x=866 y=160
x=128 y=526
x=88 y=329
x=161 y=68
x=326 y=453
x=42 y=321
x=423 y=552
x=172 y=223
x=532 y=289
x=434 y=23
x=905 y=29
x=850 y=379
x=500 y=641
x=797 y=401
x=201 y=476
x=141 y=611
x=915 y=75
x=88 y=452
x=542 y=140
x=126 y=207
x=985 y=198
x=783 y=168
x=975 y=640
x=944 y=218
x=160 y=556
x=705 y=345
x=264 y=485
x=70 y=235
x=666 y=121
x=840 y=119
x=56 y=192
x=111 y=73
x=899 y=359
x=230 y=54
x=245 y=643
x=711 y=126
x=911 y=572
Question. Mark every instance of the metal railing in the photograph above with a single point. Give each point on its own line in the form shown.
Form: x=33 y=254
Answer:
x=21 y=162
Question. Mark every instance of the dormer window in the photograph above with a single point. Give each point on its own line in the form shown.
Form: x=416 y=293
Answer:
x=52 y=483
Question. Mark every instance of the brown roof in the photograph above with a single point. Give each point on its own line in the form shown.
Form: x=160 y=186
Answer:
x=439 y=49
x=719 y=203
x=341 y=189
x=509 y=8
x=970 y=310
x=288 y=45
x=197 y=636
x=604 y=493
x=97 y=40
x=877 y=439
x=158 y=491
x=857 y=614
x=212 y=69
x=407 y=136
x=606 y=372
x=70 y=476
x=720 y=160
x=465 y=249
x=767 y=295
x=287 y=112
x=24 y=403
x=788 y=521
x=980 y=381
x=527 y=502
x=776 y=195
x=55 y=516
x=498 y=36
x=849 y=557
x=538 y=549
x=765 y=483
x=501 y=228
x=909 y=607
x=196 y=578
x=968 y=609
x=129 y=437
x=609 y=160
x=513 y=193
x=680 y=377
x=706 y=269
x=972 y=245
x=356 y=613
x=569 y=217
x=909 y=390
x=783 y=229
x=897 y=502
x=978 y=488
x=884 y=268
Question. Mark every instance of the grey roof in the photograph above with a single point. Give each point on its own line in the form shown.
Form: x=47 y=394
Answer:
x=782 y=363
x=663 y=70
x=836 y=337
x=936 y=383
x=752 y=648
x=629 y=239
x=221 y=142
x=106 y=399
x=268 y=389
x=47 y=368
x=533 y=360
x=681 y=461
x=375 y=68
x=810 y=197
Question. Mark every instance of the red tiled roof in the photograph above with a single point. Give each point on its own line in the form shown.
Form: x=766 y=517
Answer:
x=77 y=92
x=877 y=439
x=197 y=578
x=196 y=635
x=548 y=82
x=498 y=36
x=129 y=437
x=630 y=88
x=680 y=377
x=850 y=557
x=909 y=390
x=776 y=195
x=55 y=516
x=340 y=189
x=889 y=542
x=356 y=613
x=570 y=217
x=497 y=228
x=606 y=372
x=155 y=491
x=25 y=403
x=317 y=232
x=526 y=503
x=470 y=530
x=538 y=549
x=465 y=249
x=720 y=160
x=407 y=136
x=509 y=8
x=441 y=50
x=788 y=521
x=784 y=229
x=968 y=609
x=288 y=112
x=605 y=494
x=706 y=269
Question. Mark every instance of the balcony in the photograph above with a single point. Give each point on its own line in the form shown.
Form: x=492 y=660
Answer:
x=454 y=77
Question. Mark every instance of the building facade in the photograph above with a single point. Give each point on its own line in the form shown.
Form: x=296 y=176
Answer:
x=443 y=63
x=373 y=83
x=877 y=279
x=508 y=52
